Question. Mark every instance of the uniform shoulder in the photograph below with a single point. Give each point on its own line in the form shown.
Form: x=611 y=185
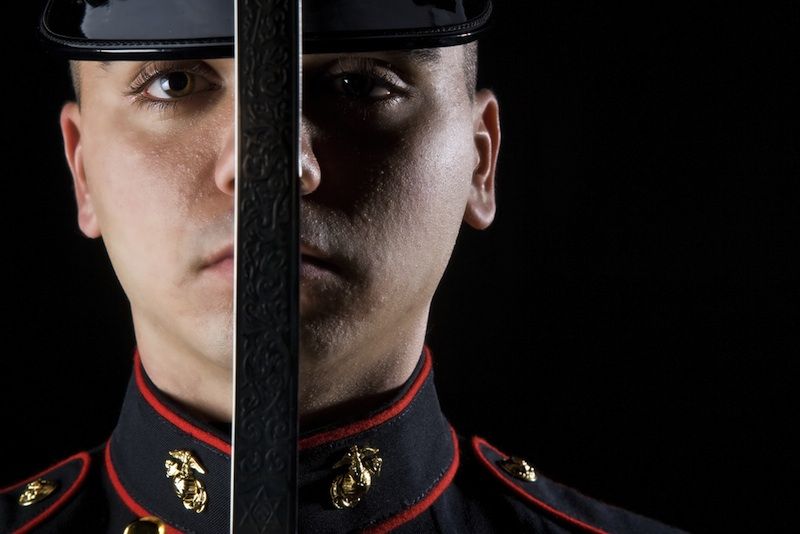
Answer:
x=564 y=505
x=33 y=503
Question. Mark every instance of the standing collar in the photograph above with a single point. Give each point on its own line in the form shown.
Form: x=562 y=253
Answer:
x=419 y=453
x=417 y=446
x=149 y=427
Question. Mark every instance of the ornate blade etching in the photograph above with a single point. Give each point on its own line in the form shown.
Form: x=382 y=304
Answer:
x=264 y=458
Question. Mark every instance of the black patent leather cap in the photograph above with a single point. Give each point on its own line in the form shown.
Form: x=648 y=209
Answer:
x=139 y=29
x=151 y=29
x=350 y=25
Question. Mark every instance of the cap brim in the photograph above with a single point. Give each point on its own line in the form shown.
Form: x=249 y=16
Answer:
x=185 y=29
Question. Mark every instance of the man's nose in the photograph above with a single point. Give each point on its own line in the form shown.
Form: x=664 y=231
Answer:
x=225 y=169
x=309 y=166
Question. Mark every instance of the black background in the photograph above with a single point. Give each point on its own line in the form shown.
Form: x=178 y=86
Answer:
x=629 y=323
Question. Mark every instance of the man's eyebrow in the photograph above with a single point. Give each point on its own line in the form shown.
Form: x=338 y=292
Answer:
x=426 y=55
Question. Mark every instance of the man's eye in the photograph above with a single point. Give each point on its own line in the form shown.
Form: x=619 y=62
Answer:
x=361 y=86
x=176 y=84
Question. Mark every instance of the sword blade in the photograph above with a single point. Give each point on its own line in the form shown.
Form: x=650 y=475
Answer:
x=264 y=460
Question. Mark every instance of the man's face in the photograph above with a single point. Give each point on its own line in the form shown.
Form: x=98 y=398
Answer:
x=394 y=158
x=152 y=153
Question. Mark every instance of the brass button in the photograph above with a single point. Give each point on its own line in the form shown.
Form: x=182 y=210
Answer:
x=36 y=491
x=363 y=467
x=146 y=525
x=518 y=468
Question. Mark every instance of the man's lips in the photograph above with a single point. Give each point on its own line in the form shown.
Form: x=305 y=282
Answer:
x=313 y=257
x=220 y=256
x=311 y=260
x=309 y=255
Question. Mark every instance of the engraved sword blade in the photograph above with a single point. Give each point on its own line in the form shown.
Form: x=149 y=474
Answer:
x=264 y=460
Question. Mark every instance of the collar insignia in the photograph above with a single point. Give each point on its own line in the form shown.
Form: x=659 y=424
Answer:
x=188 y=488
x=363 y=466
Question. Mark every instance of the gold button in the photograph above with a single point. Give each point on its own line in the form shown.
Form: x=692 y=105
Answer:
x=36 y=491
x=146 y=525
x=518 y=468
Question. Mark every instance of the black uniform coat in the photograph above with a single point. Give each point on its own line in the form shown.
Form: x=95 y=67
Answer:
x=431 y=479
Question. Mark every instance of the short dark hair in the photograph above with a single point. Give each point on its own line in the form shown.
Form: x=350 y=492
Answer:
x=471 y=67
x=75 y=76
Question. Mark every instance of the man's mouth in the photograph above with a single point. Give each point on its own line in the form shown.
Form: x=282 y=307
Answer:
x=220 y=262
x=222 y=254
x=315 y=263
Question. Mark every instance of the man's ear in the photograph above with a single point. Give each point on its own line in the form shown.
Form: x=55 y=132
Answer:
x=486 y=120
x=71 y=132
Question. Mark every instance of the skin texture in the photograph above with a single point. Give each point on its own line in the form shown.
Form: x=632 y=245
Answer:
x=157 y=185
x=395 y=156
x=387 y=183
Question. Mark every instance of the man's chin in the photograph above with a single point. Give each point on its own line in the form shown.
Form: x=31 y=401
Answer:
x=322 y=337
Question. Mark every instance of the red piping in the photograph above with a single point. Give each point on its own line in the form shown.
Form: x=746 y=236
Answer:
x=381 y=417
x=477 y=442
x=198 y=433
x=410 y=513
x=123 y=494
x=62 y=463
x=55 y=505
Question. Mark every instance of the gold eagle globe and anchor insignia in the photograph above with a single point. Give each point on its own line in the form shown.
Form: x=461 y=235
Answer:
x=363 y=466
x=36 y=491
x=188 y=488
x=518 y=468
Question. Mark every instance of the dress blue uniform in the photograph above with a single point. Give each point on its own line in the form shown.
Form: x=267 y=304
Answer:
x=429 y=478
x=399 y=468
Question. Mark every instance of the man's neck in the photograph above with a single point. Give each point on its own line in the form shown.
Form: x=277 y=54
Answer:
x=330 y=388
x=193 y=380
x=350 y=383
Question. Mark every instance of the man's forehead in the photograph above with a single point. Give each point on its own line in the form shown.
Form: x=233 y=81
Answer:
x=421 y=56
x=129 y=66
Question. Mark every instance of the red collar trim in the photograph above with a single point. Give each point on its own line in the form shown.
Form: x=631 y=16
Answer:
x=123 y=494
x=84 y=458
x=410 y=513
x=478 y=443
x=151 y=398
x=306 y=443
x=352 y=429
